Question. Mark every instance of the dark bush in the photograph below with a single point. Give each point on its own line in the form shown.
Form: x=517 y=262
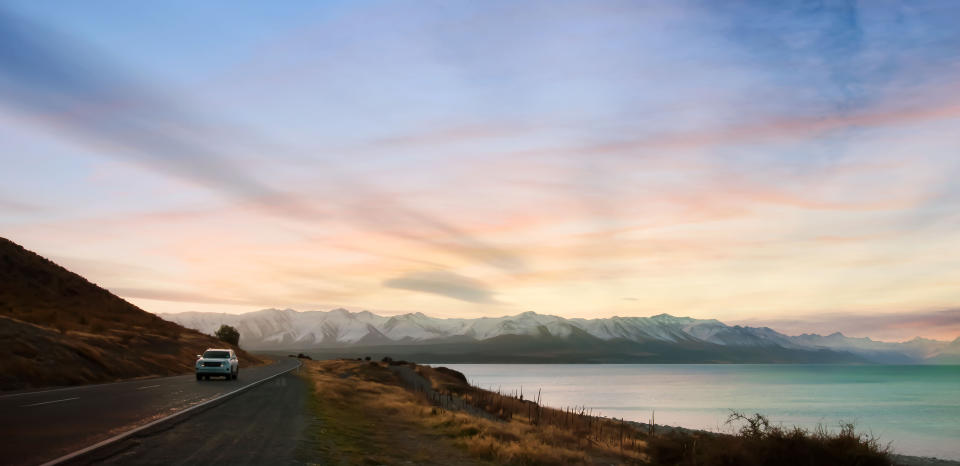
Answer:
x=455 y=374
x=229 y=334
x=760 y=443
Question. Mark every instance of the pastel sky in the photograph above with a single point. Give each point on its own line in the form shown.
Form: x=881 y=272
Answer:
x=772 y=163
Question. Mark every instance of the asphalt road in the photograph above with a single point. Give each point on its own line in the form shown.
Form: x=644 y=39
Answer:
x=39 y=426
x=261 y=426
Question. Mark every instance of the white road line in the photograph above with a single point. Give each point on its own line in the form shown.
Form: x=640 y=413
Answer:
x=48 y=402
x=148 y=386
x=86 y=387
x=128 y=433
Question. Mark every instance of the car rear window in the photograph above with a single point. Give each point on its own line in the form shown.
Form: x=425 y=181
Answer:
x=217 y=354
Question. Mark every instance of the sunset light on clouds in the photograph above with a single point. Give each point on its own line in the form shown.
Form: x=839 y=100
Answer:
x=758 y=164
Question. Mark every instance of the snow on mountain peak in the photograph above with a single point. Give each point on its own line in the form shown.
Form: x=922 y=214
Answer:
x=282 y=329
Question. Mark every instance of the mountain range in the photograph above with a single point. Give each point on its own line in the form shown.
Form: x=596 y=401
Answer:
x=532 y=337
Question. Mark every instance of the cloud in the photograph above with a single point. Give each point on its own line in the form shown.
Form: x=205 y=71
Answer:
x=56 y=81
x=18 y=207
x=444 y=283
x=942 y=324
x=175 y=296
x=791 y=127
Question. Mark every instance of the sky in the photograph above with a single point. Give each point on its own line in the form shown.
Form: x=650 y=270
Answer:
x=791 y=164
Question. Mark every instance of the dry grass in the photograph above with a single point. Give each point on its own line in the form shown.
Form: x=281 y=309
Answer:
x=523 y=431
x=60 y=329
x=365 y=417
x=759 y=443
x=37 y=356
x=367 y=403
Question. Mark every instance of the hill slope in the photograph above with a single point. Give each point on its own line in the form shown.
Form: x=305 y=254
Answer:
x=58 y=328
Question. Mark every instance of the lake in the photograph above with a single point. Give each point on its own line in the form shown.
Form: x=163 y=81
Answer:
x=917 y=408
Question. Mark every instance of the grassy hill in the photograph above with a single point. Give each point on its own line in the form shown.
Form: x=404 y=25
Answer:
x=58 y=328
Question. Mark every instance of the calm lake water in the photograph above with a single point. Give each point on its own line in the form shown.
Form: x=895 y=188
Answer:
x=915 y=407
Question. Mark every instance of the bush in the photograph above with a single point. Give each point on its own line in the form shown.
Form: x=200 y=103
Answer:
x=229 y=335
x=456 y=374
x=761 y=443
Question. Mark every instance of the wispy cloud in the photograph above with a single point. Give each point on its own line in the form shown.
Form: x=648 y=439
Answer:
x=712 y=159
x=444 y=283
x=19 y=207
x=72 y=88
x=176 y=296
x=67 y=86
x=943 y=324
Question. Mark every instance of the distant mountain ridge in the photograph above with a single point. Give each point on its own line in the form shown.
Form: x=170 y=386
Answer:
x=658 y=338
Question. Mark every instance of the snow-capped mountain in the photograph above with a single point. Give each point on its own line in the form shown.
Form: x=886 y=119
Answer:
x=289 y=329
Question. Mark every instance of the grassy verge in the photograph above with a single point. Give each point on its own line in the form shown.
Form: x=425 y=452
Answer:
x=402 y=413
x=363 y=415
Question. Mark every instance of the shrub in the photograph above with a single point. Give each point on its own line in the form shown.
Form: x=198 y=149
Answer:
x=229 y=334
x=456 y=374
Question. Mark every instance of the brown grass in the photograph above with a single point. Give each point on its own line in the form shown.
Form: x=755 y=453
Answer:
x=759 y=443
x=359 y=394
x=364 y=402
x=59 y=329
x=365 y=417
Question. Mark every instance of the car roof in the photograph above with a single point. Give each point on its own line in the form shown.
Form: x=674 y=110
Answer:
x=217 y=349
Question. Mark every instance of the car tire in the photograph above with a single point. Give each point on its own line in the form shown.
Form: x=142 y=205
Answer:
x=199 y=377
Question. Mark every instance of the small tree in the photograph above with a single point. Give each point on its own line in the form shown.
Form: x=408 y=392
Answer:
x=229 y=335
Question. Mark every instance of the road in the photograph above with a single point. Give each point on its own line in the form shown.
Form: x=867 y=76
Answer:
x=261 y=426
x=39 y=426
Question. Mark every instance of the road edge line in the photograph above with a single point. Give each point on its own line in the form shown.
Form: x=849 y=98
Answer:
x=124 y=435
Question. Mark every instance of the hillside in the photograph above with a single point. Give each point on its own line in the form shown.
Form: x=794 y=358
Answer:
x=58 y=328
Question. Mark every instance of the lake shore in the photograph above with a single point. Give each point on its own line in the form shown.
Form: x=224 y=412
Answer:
x=441 y=419
x=914 y=407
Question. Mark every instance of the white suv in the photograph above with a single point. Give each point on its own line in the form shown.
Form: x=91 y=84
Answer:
x=218 y=362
